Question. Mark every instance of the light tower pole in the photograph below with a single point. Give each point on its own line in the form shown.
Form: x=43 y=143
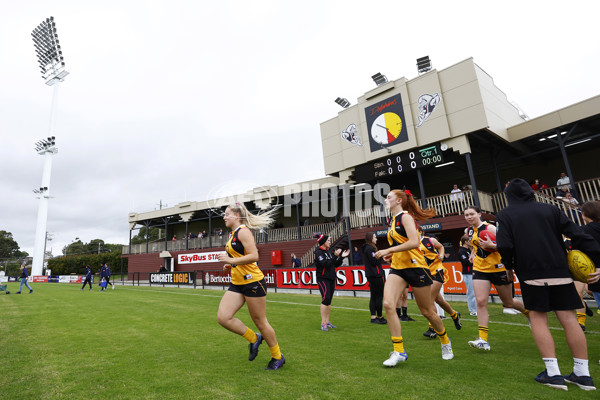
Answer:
x=52 y=65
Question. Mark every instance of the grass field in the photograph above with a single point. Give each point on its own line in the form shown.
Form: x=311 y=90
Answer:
x=161 y=343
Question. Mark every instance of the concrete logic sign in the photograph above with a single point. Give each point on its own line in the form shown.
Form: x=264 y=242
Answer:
x=386 y=123
x=173 y=278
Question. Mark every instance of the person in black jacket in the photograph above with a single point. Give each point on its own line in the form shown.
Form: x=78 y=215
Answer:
x=88 y=277
x=24 y=277
x=529 y=239
x=464 y=253
x=375 y=276
x=326 y=264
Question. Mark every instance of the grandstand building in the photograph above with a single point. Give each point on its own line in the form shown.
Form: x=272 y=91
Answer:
x=426 y=134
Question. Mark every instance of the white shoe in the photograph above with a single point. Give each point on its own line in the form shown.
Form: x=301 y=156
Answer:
x=473 y=313
x=395 y=358
x=113 y=286
x=480 y=344
x=447 y=353
x=512 y=311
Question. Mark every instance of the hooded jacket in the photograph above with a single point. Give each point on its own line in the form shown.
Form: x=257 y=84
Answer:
x=326 y=263
x=529 y=236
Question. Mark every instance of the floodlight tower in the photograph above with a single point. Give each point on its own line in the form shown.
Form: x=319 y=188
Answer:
x=52 y=65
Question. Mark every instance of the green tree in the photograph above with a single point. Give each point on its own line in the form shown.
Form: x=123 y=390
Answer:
x=76 y=247
x=9 y=248
x=141 y=236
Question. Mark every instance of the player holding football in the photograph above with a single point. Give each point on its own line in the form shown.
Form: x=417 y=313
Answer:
x=247 y=283
x=487 y=270
x=530 y=242
x=408 y=267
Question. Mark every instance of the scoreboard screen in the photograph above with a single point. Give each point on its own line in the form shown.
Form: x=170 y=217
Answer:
x=398 y=163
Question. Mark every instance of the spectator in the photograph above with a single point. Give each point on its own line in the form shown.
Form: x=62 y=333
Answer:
x=296 y=262
x=570 y=199
x=538 y=186
x=105 y=274
x=174 y=238
x=24 y=276
x=376 y=277
x=162 y=268
x=590 y=211
x=563 y=182
x=456 y=194
x=356 y=256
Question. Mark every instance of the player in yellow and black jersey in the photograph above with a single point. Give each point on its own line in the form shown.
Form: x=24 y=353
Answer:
x=434 y=252
x=247 y=283
x=487 y=270
x=408 y=267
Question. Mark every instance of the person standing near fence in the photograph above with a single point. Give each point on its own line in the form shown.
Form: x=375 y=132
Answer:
x=24 y=276
x=248 y=285
x=87 y=278
x=376 y=278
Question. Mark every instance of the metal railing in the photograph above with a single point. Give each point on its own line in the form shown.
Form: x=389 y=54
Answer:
x=335 y=233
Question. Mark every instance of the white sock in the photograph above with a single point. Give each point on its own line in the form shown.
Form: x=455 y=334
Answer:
x=580 y=367
x=551 y=366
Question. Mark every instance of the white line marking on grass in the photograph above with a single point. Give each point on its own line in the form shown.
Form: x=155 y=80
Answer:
x=343 y=308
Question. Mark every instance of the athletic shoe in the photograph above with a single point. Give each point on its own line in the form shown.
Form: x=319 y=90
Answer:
x=19 y=292
x=406 y=318
x=31 y=291
x=113 y=286
x=473 y=313
x=430 y=333
x=457 y=323
x=275 y=363
x=584 y=382
x=480 y=344
x=556 y=381
x=508 y=310
x=324 y=327
x=381 y=321
x=253 y=347
x=330 y=325
x=582 y=327
x=90 y=289
x=447 y=353
x=81 y=289
x=588 y=310
x=374 y=321
x=395 y=358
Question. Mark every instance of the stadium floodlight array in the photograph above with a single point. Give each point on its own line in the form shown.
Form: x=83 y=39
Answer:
x=423 y=64
x=342 y=102
x=49 y=52
x=379 y=79
x=45 y=145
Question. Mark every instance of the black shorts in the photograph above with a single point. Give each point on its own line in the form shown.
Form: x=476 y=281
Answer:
x=416 y=277
x=550 y=298
x=327 y=288
x=252 y=289
x=439 y=277
x=497 y=278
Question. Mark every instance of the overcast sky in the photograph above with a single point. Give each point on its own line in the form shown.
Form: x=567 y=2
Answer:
x=177 y=100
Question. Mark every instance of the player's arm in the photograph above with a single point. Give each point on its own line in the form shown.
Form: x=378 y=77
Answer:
x=413 y=238
x=247 y=238
x=440 y=248
x=487 y=243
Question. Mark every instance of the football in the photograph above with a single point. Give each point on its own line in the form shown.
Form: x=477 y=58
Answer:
x=580 y=265
x=488 y=235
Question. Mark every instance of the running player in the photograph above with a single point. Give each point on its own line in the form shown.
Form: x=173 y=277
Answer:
x=247 y=283
x=434 y=252
x=408 y=267
x=487 y=270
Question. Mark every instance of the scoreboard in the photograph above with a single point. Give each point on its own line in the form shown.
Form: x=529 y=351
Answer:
x=398 y=163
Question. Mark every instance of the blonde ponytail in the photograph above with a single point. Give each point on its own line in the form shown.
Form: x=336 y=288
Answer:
x=253 y=221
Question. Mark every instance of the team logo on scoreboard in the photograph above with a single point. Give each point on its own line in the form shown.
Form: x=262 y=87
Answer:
x=427 y=103
x=351 y=135
x=386 y=123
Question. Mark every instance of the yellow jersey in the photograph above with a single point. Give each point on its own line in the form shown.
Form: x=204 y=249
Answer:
x=485 y=261
x=431 y=255
x=246 y=273
x=397 y=235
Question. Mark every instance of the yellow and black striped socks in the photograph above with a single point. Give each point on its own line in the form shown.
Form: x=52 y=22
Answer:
x=483 y=332
x=275 y=352
x=443 y=336
x=398 y=344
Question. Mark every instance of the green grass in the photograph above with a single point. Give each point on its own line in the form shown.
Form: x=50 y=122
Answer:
x=161 y=343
